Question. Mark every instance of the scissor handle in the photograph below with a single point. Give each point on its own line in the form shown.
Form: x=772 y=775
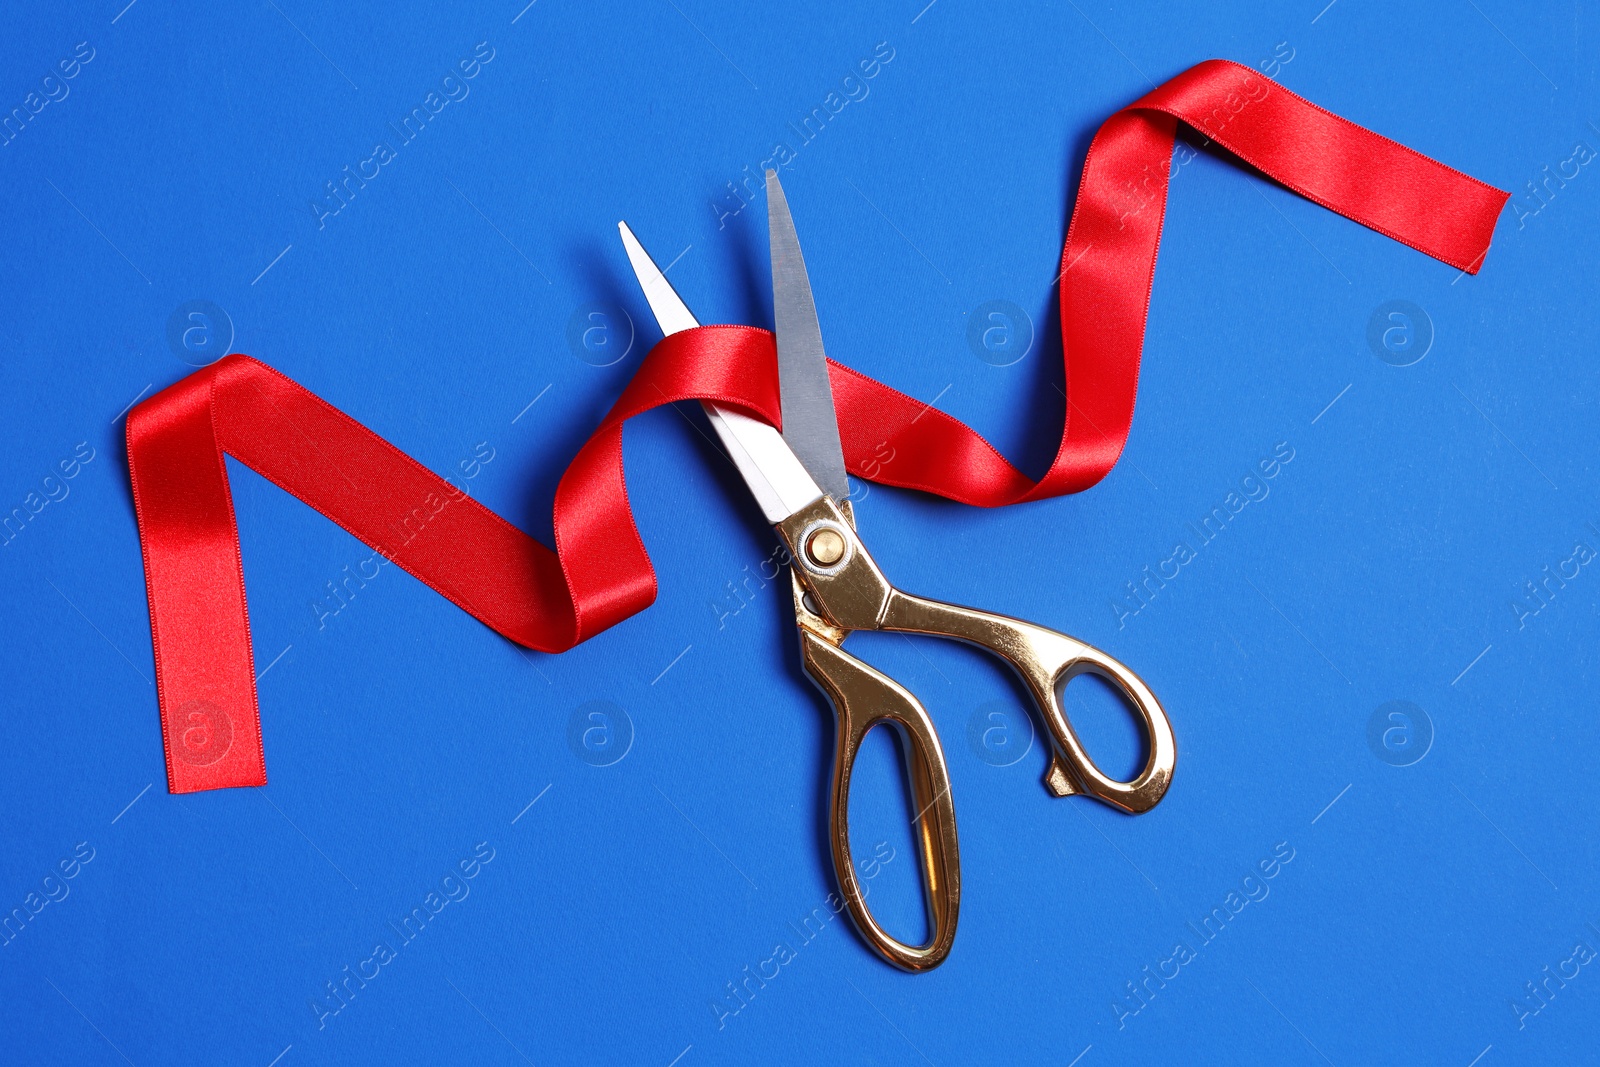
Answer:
x=863 y=698
x=1047 y=660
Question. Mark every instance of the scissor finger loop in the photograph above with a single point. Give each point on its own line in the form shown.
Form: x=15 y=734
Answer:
x=1145 y=789
x=864 y=698
x=853 y=593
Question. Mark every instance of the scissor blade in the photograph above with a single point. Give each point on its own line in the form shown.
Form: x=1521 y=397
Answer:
x=810 y=424
x=776 y=477
x=671 y=313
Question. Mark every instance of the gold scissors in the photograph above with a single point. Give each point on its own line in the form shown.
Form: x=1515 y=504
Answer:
x=798 y=479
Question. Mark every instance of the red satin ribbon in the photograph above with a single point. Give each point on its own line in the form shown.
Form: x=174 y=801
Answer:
x=599 y=573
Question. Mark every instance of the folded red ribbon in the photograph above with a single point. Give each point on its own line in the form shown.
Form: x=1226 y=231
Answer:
x=600 y=573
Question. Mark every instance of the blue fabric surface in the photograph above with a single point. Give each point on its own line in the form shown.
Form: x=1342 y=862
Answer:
x=1379 y=841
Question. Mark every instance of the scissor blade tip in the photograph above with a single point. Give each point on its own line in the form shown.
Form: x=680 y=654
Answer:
x=629 y=241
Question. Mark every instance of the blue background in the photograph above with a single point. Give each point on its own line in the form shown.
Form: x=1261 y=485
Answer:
x=435 y=306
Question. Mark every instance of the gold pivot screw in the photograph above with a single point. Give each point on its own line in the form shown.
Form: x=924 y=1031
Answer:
x=825 y=548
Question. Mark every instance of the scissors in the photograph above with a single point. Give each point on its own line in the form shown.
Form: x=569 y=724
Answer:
x=798 y=479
